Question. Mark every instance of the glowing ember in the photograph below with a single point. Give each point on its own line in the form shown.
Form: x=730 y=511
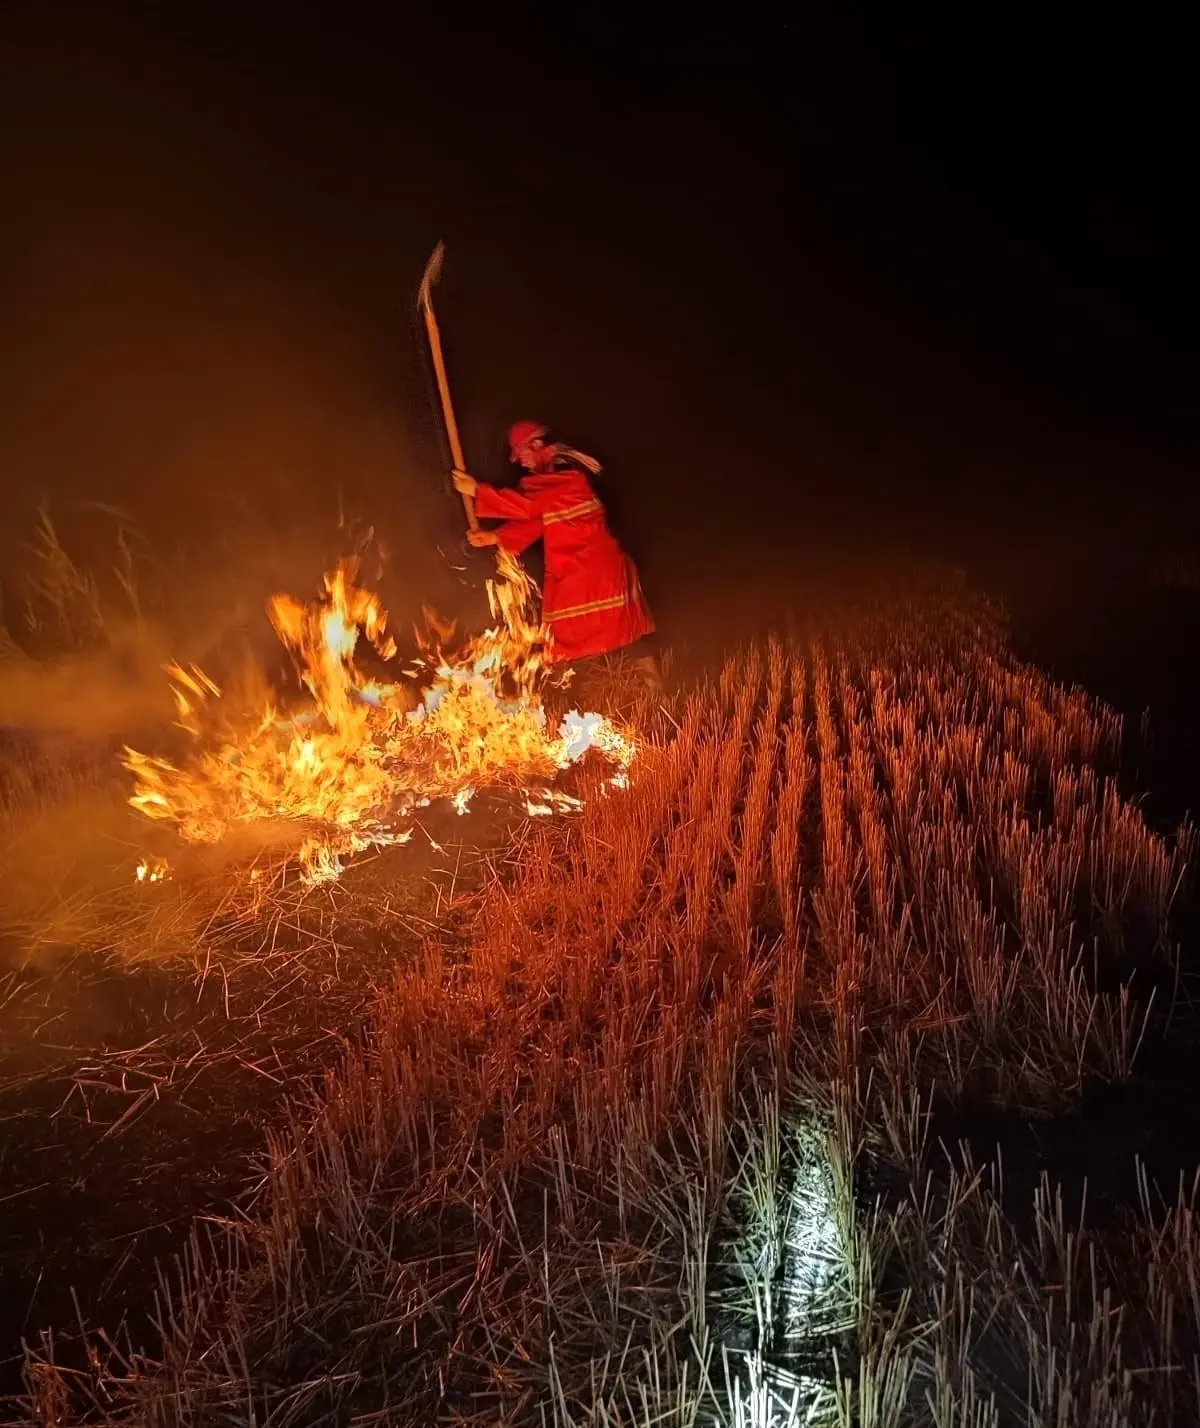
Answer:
x=349 y=771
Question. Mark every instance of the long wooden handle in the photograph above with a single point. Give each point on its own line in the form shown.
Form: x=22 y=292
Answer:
x=432 y=269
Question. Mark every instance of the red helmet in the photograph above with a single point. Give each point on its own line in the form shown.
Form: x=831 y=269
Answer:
x=521 y=433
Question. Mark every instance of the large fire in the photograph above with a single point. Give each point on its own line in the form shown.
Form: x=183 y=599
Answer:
x=349 y=771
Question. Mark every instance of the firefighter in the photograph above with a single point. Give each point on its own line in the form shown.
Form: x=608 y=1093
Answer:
x=592 y=599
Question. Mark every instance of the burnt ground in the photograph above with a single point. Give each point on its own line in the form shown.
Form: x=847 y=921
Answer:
x=135 y=1095
x=134 y=1098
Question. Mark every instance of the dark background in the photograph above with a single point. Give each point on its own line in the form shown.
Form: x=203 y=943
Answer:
x=871 y=282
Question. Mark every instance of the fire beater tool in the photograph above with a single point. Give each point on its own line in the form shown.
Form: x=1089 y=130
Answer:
x=433 y=271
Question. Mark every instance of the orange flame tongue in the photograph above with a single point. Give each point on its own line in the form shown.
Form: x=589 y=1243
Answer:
x=322 y=638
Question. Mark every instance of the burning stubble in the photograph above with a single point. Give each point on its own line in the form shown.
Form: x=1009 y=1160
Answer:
x=348 y=771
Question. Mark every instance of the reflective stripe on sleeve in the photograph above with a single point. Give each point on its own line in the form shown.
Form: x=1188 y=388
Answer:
x=568 y=513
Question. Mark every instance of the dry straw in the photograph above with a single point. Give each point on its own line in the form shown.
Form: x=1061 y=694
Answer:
x=651 y=1144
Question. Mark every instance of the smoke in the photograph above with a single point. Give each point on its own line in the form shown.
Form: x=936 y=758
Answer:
x=92 y=662
x=94 y=695
x=196 y=329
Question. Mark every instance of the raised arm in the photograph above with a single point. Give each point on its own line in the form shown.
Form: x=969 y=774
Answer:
x=495 y=503
x=523 y=524
x=514 y=536
x=522 y=520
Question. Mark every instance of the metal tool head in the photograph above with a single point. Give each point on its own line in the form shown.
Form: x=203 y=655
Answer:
x=433 y=271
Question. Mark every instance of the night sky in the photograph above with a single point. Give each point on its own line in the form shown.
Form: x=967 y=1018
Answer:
x=807 y=285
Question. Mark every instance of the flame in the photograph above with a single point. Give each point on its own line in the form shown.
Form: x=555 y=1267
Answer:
x=349 y=771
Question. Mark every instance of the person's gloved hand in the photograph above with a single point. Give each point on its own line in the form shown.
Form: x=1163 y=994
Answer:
x=465 y=485
x=482 y=538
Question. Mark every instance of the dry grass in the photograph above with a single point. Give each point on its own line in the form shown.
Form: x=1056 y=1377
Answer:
x=608 y=1161
x=65 y=602
x=148 y=1033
